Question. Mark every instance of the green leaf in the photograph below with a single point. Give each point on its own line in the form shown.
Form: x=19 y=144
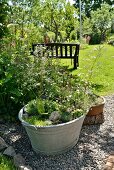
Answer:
x=16 y=92
x=40 y=106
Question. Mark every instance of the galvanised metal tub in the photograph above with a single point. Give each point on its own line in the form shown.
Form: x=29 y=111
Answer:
x=53 y=139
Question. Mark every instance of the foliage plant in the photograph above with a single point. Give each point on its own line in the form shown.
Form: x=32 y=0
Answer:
x=6 y=163
x=4 y=9
x=19 y=77
x=101 y=20
x=57 y=91
x=88 y=5
x=92 y=71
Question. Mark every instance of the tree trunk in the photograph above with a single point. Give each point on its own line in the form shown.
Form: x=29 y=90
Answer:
x=103 y=36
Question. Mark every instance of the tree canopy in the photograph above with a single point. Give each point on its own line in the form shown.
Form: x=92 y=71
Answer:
x=89 y=5
x=4 y=8
x=101 y=20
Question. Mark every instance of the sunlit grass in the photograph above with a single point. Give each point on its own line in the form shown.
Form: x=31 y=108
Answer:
x=103 y=69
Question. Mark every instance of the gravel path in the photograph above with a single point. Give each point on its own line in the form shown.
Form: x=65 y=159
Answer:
x=96 y=142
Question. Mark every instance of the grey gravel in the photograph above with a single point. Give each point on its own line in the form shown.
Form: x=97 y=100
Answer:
x=95 y=144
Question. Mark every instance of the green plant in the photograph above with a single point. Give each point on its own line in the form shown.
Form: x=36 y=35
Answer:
x=6 y=163
x=19 y=76
x=101 y=20
x=91 y=72
x=12 y=67
x=59 y=92
x=4 y=9
x=73 y=35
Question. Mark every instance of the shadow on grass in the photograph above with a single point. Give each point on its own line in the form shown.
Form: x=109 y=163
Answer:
x=71 y=69
x=98 y=87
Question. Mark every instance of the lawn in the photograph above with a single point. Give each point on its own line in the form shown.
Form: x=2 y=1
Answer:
x=96 y=64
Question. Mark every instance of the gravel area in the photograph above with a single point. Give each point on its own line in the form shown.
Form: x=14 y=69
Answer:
x=95 y=144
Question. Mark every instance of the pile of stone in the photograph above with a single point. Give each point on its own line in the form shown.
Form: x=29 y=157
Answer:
x=94 y=119
x=19 y=161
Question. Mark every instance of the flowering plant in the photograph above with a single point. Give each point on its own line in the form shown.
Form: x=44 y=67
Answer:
x=60 y=97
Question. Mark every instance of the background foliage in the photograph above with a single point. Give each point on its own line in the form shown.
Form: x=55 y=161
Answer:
x=25 y=22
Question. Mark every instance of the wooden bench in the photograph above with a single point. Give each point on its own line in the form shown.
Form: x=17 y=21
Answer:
x=61 y=50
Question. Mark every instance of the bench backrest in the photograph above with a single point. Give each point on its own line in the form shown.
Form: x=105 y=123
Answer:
x=61 y=50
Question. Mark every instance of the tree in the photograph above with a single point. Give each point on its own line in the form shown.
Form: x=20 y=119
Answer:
x=87 y=26
x=22 y=23
x=89 y=5
x=32 y=19
x=101 y=20
x=52 y=16
x=4 y=8
x=71 y=19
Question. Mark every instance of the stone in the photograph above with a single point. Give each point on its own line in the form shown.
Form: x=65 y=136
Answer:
x=89 y=120
x=110 y=163
x=86 y=120
x=24 y=167
x=107 y=167
x=19 y=160
x=9 y=151
x=111 y=159
x=3 y=144
x=95 y=119
x=112 y=153
x=99 y=118
x=54 y=116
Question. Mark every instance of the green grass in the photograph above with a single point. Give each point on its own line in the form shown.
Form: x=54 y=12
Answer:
x=6 y=163
x=103 y=70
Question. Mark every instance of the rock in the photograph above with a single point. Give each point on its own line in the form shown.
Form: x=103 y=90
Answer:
x=24 y=167
x=54 y=116
x=99 y=118
x=9 y=151
x=3 y=144
x=111 y=159
x=107 y=167
x=91 y=120
x=19 y=160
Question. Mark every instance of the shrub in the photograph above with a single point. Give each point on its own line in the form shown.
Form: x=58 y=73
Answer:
x=73 y=35
x=95 y=38
x=19 y=77
x=51 y=35
x=63 y=36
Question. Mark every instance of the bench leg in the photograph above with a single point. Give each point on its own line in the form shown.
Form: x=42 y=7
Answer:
x=75 y=63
